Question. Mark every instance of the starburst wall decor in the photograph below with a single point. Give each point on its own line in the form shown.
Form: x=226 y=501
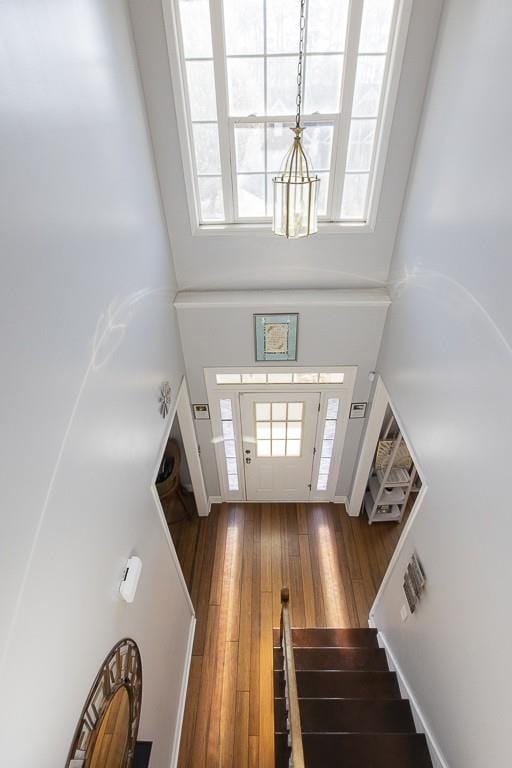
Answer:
x=165 y=398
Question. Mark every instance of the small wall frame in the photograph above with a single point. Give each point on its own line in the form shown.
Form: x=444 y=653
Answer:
x=276 y=336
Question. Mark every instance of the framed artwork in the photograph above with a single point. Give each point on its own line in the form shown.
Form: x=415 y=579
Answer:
x=276 y=336
x=358 y=410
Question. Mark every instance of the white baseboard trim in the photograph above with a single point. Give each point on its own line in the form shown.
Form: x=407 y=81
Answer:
x=422 y=726
x=183 y=694
x=213 y=500
x=341 y=500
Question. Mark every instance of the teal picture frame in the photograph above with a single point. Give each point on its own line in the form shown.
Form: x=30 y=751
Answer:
x=276 y=336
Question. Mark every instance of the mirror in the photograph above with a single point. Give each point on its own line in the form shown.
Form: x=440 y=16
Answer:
x=111 y=742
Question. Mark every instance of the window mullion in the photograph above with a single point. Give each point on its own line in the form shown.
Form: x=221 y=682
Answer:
x=221 y=89
x=347 y=95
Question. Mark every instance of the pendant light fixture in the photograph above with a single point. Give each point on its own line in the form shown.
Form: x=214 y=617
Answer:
x=296 y=187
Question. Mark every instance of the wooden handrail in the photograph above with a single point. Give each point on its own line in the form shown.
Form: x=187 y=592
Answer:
x=290 y=682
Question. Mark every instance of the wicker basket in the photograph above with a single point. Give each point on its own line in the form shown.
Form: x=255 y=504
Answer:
x=402 y=458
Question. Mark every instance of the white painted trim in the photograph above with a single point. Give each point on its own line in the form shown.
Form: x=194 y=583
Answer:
x=341 y=500
x=374 y=424
x=399 y=547
x=172 y=549
x=183 y=695
x=264 y=229
x=188 y=434
x=385 y=122
x=346 y=297
x=214 y=500
x=420 y=721
x=343 y=391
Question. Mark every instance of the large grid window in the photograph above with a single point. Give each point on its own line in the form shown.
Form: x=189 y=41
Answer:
x=239 y=59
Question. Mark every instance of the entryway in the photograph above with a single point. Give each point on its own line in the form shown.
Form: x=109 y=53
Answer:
x=279 y=434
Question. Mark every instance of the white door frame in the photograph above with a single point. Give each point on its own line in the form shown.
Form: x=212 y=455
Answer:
x=342 y=390
x=380 y=402
x=188 y=434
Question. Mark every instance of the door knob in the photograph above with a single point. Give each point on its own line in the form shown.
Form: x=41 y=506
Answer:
x=247 y=460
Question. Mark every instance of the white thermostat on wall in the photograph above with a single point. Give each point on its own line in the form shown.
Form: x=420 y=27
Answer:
x=130 y=579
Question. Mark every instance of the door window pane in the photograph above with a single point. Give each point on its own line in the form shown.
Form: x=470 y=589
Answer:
x=263 y=430
x=233 y=482
x=332 y=408
x=294 y=430
x=278 y=447
x=293 y=447
x=225 y=409
x=282 y=434
x=263 y=448
x=295 y=411
x=278 y=411
x=280 y=378
x=305 y=378
x=278 y=430
x=228 y=432
x=262 y=411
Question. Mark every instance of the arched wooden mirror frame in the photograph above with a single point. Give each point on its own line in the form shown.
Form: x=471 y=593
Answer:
x=122 y=667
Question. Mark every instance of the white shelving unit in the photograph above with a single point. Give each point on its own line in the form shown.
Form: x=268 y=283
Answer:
x=389 y=487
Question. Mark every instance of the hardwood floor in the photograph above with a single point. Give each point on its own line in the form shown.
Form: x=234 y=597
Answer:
x=235 y=562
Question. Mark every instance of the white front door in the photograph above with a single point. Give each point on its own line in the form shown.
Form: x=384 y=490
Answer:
x=278 y=442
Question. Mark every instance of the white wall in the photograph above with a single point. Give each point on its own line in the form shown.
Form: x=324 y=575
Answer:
x=335 y=328
x=246 y=262
x=447 y=364
x=88 y=334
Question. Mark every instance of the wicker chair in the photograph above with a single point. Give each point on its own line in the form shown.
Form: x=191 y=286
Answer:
x=169 y=486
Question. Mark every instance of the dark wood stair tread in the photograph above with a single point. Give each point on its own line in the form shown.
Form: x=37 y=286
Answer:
x=355 y=750
x=342 y=684
x=348 y=716
x=331 y=637
x=335 y=658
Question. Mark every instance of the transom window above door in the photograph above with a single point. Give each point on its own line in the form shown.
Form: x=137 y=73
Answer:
x=238 y=65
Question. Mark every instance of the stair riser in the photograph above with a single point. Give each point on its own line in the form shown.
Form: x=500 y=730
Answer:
x=322 y=638
x=348 y=716
x=336 y=659
x=342 y=685
x=356 y=750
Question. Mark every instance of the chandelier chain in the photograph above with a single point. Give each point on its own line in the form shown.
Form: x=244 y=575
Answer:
x=301 y=60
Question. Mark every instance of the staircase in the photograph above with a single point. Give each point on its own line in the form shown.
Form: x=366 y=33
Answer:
x=351 y=712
